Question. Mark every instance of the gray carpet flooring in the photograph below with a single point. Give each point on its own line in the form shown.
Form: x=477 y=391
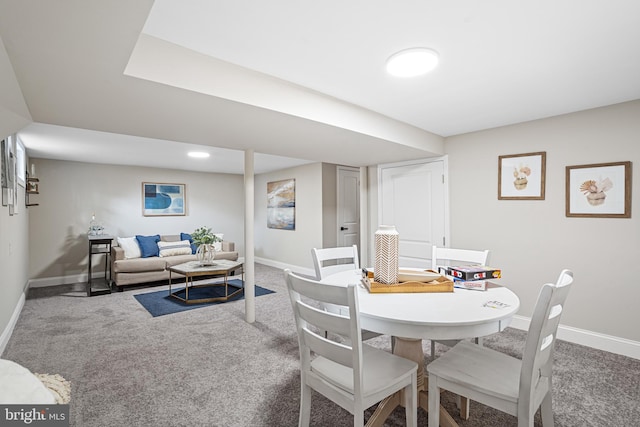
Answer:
x=208 y=367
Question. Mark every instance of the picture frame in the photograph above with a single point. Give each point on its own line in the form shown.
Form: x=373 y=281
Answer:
x=8 y=174
x=281 y=204
x=522 y=176
x=601 y=190
x=163 y=199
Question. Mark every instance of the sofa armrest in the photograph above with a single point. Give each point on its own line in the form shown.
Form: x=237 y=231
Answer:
x=117 y=253
x=228 y=246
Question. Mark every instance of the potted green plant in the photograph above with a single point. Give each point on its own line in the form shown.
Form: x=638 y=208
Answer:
x=204 y=239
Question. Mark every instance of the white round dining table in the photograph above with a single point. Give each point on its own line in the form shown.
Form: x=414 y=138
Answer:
x=412 y=317
x=463 y=313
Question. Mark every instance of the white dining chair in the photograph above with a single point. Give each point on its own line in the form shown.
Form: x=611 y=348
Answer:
x=517 y=387
x=352 y=374
x=443 y=257
x=328 y=261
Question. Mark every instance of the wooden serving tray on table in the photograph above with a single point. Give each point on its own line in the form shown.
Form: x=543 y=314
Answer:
x=441 y=284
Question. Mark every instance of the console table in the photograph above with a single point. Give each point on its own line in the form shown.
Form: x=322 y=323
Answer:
x=100 y=245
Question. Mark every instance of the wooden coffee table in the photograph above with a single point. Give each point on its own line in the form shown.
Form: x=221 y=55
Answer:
x=193 y=269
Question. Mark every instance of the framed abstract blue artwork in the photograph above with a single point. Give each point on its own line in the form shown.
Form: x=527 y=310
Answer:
x=159 y=199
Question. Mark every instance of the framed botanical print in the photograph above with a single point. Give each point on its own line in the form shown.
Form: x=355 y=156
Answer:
x=599 y=190
x=522 y=176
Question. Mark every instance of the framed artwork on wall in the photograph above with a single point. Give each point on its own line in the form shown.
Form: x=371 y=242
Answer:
x=522 y=176
x=159 y=199
x=281 y=204
x=8 y=174
x=600 y=190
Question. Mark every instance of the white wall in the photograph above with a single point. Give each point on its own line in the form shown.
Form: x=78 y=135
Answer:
x=533 y=240
x=291 y=248
x=14 y=114
x=14 y=264
x=71 y=191
x=14 y=232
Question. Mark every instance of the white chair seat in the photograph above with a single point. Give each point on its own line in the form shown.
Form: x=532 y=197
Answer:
x=379 y=369
x=480 y=369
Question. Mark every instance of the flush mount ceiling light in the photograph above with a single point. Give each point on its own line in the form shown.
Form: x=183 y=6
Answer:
x=412 y=62
x=198 y=154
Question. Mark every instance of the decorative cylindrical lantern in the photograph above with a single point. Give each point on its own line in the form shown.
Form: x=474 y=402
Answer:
x=386 y=244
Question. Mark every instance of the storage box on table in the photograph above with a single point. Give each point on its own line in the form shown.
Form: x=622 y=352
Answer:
x=474 y=272
x=442 y=284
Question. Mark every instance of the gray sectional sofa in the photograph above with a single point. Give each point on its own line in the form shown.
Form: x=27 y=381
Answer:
x=155 y=268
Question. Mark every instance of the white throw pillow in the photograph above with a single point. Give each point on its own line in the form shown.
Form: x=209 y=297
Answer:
x=182 y=247
x=130 y=246
x=218 y=245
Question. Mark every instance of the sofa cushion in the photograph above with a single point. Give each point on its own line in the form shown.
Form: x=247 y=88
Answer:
x=231 y=256
x=139 y=265
x=148 y=245
x=130 y=247
x=218 y=245
x=174 y=248
x=178 y=259
x=187 y=236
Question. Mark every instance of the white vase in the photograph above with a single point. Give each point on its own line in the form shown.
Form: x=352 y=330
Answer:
x=205 y=254
x=386 y=246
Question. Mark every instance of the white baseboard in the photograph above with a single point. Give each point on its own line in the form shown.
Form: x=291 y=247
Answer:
x=60 y=280
x=6 y=334
x=591 y=339
x=295 y=268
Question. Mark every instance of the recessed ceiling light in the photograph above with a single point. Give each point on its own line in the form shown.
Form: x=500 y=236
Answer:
x=412 y=62
x=198 y=154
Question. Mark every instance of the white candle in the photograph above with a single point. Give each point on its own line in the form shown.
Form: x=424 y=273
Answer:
x=33 y=169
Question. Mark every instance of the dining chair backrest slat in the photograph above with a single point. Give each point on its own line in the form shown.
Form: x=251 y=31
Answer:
x=451 y=256
x=329 y=261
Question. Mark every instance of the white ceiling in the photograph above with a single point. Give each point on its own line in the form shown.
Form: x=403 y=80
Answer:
x=305 y=80
x=501 y=62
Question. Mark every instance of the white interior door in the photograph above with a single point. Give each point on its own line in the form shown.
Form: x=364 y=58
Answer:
x=348 y=206
x=412 y=197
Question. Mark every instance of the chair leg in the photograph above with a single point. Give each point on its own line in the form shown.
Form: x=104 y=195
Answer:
x=305 y=406
x=546 y=411
x=463 y=405
x=434 y=401
x=358 y=418
x=411 y=402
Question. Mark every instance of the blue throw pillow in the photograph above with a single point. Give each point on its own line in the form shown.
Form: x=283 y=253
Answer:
x=148 y=245
x=187 y=236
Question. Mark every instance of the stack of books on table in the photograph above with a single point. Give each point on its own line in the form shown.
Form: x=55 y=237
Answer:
x=472 y=276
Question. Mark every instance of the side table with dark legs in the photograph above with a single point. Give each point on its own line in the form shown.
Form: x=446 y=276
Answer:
x=100 y=245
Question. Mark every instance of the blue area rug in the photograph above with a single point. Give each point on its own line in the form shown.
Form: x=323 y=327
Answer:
x=160 y=303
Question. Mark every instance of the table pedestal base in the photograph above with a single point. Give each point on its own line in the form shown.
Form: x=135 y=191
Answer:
x=409 y=349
